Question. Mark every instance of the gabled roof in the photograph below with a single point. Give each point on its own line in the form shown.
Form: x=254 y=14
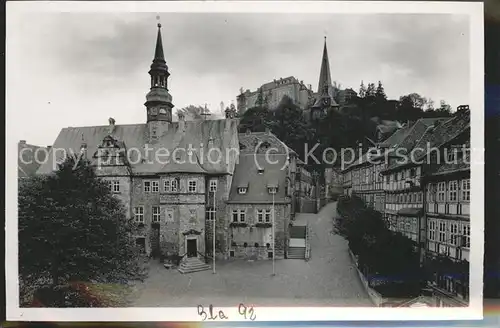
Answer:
x=251 y=140
x=413 y=138
x=29 y=159
x=445 y=131
x=396 y=138
x=199 y=135
x=246 y=174
x=461 y=164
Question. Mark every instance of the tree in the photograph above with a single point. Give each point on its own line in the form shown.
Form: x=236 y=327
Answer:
x=380 y=95
x=192 y=112
x=289 y=125
x=380 y=251
x=370 y=90
x=444 y=109
x=410 y=107
x=429 y=105
x=415 y=100
x=71 y=228
x=256 y=119
x=362 y=90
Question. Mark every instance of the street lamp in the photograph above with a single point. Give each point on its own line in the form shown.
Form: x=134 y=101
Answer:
x=213 y=235
x=273 y=190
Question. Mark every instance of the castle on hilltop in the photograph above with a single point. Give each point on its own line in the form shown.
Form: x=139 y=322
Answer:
x=315 y=104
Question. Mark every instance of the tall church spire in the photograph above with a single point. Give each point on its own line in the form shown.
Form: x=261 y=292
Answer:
x=158 y=100
x=325 y=80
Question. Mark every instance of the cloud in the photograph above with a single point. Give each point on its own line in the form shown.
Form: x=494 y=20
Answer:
x=96 y=65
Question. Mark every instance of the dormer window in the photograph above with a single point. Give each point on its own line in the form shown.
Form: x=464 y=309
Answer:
x=242 y=190
x=265 y=145
x=451 y=155
x=272 y=190
x=163 y=111
x=260 y=171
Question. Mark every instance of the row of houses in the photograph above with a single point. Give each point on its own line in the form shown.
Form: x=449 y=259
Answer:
x=419 y=178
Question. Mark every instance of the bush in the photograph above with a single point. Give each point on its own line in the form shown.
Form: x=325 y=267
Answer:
x=380 y=251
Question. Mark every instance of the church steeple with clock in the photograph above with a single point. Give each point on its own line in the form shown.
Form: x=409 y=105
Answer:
x=158 y=100
x=325 y=95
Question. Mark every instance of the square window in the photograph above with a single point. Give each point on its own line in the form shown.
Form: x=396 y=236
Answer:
x=466 y=190
x=210 y=214
x=269 y=255
x=452 y=190
x=155 y=186
x=213 y=185
x=272 y=190
x=242 y=191
x=139 y=214
x=268 y=216
x=166 y=186
x=174 y=185
x=242 y=215
x=235 y=215
x=260 y=216
x=156 y=214
x=147 y=186
x=116 y=186
x=231 y=253
x=192 y=186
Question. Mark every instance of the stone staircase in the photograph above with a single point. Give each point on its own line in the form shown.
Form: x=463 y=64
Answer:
x=297 y=253
x=298 y=247
x=192 y=264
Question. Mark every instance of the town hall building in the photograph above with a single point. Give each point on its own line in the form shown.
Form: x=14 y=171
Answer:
x=210 y=176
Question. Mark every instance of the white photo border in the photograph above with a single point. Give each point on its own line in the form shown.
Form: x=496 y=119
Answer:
x=475 y=309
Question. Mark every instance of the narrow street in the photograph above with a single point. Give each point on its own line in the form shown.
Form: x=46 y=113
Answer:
x=327 y=279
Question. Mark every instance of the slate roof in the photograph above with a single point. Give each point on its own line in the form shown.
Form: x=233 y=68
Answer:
x=246 y=174
x=395 y=138
x=461 y=164
x=201 y=135
x=410 y=211
x=445 y=131
x=421 y=130
x=29 y=160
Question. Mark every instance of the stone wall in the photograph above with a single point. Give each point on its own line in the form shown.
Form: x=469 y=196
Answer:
x=251 y=234
x=187 y=210
x=222 y=221
x=375 y=297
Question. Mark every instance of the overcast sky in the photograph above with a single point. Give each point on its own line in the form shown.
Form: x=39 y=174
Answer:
x=78 y=69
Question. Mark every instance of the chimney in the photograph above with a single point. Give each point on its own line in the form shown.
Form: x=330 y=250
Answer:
x=22 y=142
x=49 y=148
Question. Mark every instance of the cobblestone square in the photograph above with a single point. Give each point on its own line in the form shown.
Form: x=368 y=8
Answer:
x=328 y=279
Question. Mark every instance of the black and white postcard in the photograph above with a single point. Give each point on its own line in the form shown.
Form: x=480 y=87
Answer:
x=244 y=161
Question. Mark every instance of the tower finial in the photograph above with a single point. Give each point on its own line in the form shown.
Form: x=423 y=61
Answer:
x=159 y=25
